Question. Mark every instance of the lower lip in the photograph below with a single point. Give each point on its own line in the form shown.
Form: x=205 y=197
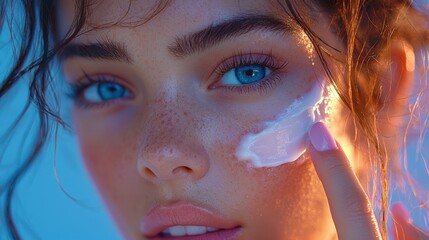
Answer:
x=227 y=234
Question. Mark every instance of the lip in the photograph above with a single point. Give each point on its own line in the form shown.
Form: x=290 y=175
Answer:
x=187 y=214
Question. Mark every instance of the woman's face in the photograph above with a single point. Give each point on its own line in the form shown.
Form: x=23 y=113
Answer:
x=161 y=108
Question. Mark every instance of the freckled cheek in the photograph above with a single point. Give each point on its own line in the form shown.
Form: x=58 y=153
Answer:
x=223 y=135
x=221 y=139
x=287 y=185
x=280 y=194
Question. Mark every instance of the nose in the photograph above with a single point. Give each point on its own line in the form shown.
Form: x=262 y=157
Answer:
x=171 y=147
x=171 y=162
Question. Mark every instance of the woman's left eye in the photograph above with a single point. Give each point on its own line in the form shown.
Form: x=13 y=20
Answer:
x=247 y=74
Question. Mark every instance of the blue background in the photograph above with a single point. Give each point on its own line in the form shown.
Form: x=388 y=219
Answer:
x=44 y=211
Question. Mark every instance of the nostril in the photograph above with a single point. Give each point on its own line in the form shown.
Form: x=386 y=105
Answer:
x=148 y=172
x=182 y=170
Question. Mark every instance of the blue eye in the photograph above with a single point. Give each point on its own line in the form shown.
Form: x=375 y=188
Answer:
x=104 y=91
x=245 y=75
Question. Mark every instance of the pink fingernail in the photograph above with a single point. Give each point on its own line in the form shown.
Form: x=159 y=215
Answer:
x=321 y=139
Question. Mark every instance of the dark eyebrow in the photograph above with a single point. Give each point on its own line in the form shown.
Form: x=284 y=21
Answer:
x=216 y=33
x=101 y=50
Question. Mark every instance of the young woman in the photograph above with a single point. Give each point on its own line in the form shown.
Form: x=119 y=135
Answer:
x=229 y=119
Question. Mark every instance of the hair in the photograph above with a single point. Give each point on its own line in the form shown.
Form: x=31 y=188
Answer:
x=365 y=27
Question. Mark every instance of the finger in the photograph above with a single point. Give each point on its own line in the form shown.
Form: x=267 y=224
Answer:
x=350 y=208
x=403 y=228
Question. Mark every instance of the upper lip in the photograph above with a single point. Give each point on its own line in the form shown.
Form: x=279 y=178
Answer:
x=181 y=214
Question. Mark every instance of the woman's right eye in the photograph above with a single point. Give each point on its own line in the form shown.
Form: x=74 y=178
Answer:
x=104 y=91
x=95 y=92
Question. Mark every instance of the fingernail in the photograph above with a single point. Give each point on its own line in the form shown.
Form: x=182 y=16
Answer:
x=321 y=139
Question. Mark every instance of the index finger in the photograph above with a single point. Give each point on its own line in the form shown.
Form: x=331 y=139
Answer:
x=350 y=207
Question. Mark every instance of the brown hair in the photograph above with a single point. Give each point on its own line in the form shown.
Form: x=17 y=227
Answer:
x=365 y=27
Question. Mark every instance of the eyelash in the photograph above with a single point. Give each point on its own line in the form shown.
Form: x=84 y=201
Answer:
x=239 y=60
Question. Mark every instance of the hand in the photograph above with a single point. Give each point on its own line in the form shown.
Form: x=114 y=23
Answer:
x=403 y=228
x=350 y=207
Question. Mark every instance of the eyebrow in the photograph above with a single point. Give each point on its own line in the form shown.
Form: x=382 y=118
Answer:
x=101 y=50
x=217 y=33
x=183 y=45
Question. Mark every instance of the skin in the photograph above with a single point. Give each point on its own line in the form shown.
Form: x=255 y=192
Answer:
x=174 y=140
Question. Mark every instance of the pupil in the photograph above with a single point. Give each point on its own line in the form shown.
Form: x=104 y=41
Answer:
x=112 y=88
x=250 y=74
x=109 y=91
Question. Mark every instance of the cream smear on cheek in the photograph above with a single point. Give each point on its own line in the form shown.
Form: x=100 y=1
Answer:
x=284 y=139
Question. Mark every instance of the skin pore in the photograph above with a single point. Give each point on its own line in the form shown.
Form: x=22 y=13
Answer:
x=172 y=135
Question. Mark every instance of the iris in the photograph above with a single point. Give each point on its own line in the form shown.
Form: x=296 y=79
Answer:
x=250 y=74
x=246 y=74
x=110 y=90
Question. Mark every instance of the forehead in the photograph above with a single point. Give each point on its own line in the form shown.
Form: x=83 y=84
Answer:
x=150 y=26
x=113 y=9
x=164 y=15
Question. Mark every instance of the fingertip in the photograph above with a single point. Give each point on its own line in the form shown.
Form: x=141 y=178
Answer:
x=322 y=146
x=321 y=139
x=327 y=155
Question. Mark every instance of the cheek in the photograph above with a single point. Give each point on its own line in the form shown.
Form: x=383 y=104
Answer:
x=107 y=149
x=108 y=157
x=290 y=193
x=98 y=143
x=279 y=199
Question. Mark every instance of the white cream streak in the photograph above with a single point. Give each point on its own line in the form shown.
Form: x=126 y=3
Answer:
x=284 y=139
